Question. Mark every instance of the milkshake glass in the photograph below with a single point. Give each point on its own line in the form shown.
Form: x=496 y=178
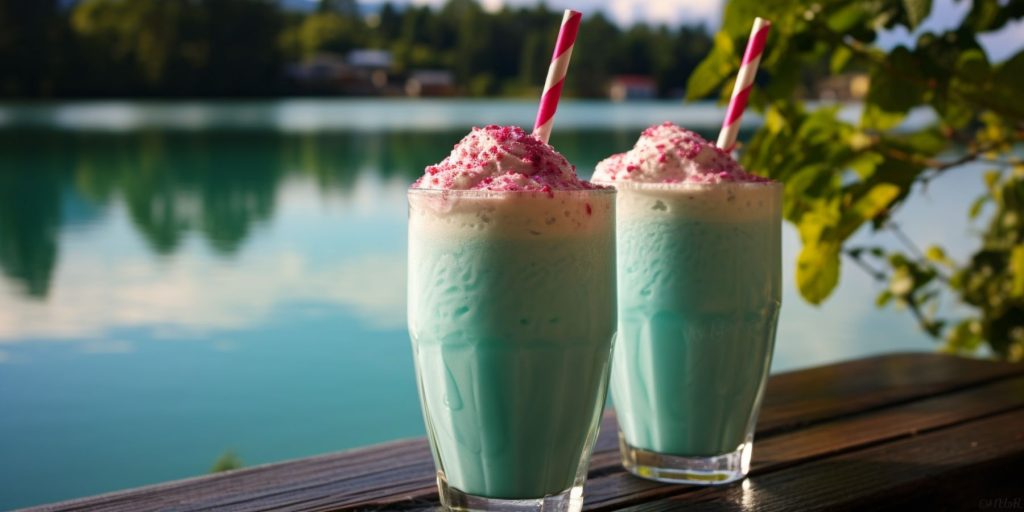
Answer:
x=699 y=291
x=512 y=316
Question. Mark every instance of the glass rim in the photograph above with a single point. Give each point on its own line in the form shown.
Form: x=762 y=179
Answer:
x=478 y=193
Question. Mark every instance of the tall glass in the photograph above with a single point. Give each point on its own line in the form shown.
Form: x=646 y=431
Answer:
x=699 y=282
x=512 y=316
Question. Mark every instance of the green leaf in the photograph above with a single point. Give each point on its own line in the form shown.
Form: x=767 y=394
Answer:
x=1010 y=74
x=718 y=66
x=817 y=265
x=991 y=180
x=774 y=121
x=817 y=271
x=810 y=180
x=954 y=111
x=935 y=253
x=965 y=337
x=864 y=164
x=928 y=142
x=1017 y=271
x=988 y=15
x=976 y=206
x=883 y=298
x=867 y=207
x=938 y=255
x=785 y=73
x=895 y=89
x=917 y=11
x=972 y=66
x=740 y=13
x=840 y=58
x=847 y=18
x=876 y=117
x=996 y=93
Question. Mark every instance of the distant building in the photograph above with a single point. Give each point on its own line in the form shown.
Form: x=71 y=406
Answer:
x=323 y=69
x=370 y=66
x=370 y=59
x=430 y=82
x=845 y=87
x=360 y=72
x=632 y=87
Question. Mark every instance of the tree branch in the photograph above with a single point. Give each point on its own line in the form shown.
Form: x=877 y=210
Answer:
x=931 y=327
x=876 y=274
x=919 y=256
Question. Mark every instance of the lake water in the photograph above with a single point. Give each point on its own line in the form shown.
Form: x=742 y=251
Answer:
x=180 y=280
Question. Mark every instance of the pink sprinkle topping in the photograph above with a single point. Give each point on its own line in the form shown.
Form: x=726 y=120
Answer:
x=666 y=153
x=503 y=158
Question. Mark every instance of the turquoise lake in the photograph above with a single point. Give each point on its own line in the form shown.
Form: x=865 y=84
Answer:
x=179 y=280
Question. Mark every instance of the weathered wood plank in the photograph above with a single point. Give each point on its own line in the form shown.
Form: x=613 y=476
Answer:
x=822 y=440
x=955 y=467
x=401 y=473
x=870 y=384
x=357 y=469
x=798 y=398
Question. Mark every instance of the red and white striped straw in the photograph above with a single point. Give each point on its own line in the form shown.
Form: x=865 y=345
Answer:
x=744 y=83
x=556 y=74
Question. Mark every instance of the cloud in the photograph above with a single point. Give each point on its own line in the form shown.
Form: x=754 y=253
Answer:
x=189 y=296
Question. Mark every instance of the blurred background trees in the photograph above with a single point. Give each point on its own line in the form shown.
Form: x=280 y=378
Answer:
x=170 y=48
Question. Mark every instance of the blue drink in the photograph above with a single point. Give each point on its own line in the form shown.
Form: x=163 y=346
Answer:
x=699 y=295
x=512 y=315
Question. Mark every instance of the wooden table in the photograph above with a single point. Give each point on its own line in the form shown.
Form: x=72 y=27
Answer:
x=902 y=431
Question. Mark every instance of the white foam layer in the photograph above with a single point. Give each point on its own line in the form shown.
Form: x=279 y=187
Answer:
x=719 y=202
x=450 y=213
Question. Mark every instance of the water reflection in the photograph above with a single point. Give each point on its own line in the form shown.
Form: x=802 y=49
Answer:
x=30 y=216
x=219 y=185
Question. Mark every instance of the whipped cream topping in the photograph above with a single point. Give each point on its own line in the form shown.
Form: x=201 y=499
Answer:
x=502 y=159
x=666 y=153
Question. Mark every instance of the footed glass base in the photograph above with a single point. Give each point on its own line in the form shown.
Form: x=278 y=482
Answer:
x=571 y=500
x=675 y=469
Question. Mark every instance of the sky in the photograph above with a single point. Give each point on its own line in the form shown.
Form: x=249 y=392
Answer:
x=945 y=14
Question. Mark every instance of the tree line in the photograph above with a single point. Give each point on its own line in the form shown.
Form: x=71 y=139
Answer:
x=170 y=48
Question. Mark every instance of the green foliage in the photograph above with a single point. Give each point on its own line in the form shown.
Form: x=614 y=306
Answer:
x=325 y=31
x=144 y=47
x=228 y=461
x=842 y=176
x=917 y=11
